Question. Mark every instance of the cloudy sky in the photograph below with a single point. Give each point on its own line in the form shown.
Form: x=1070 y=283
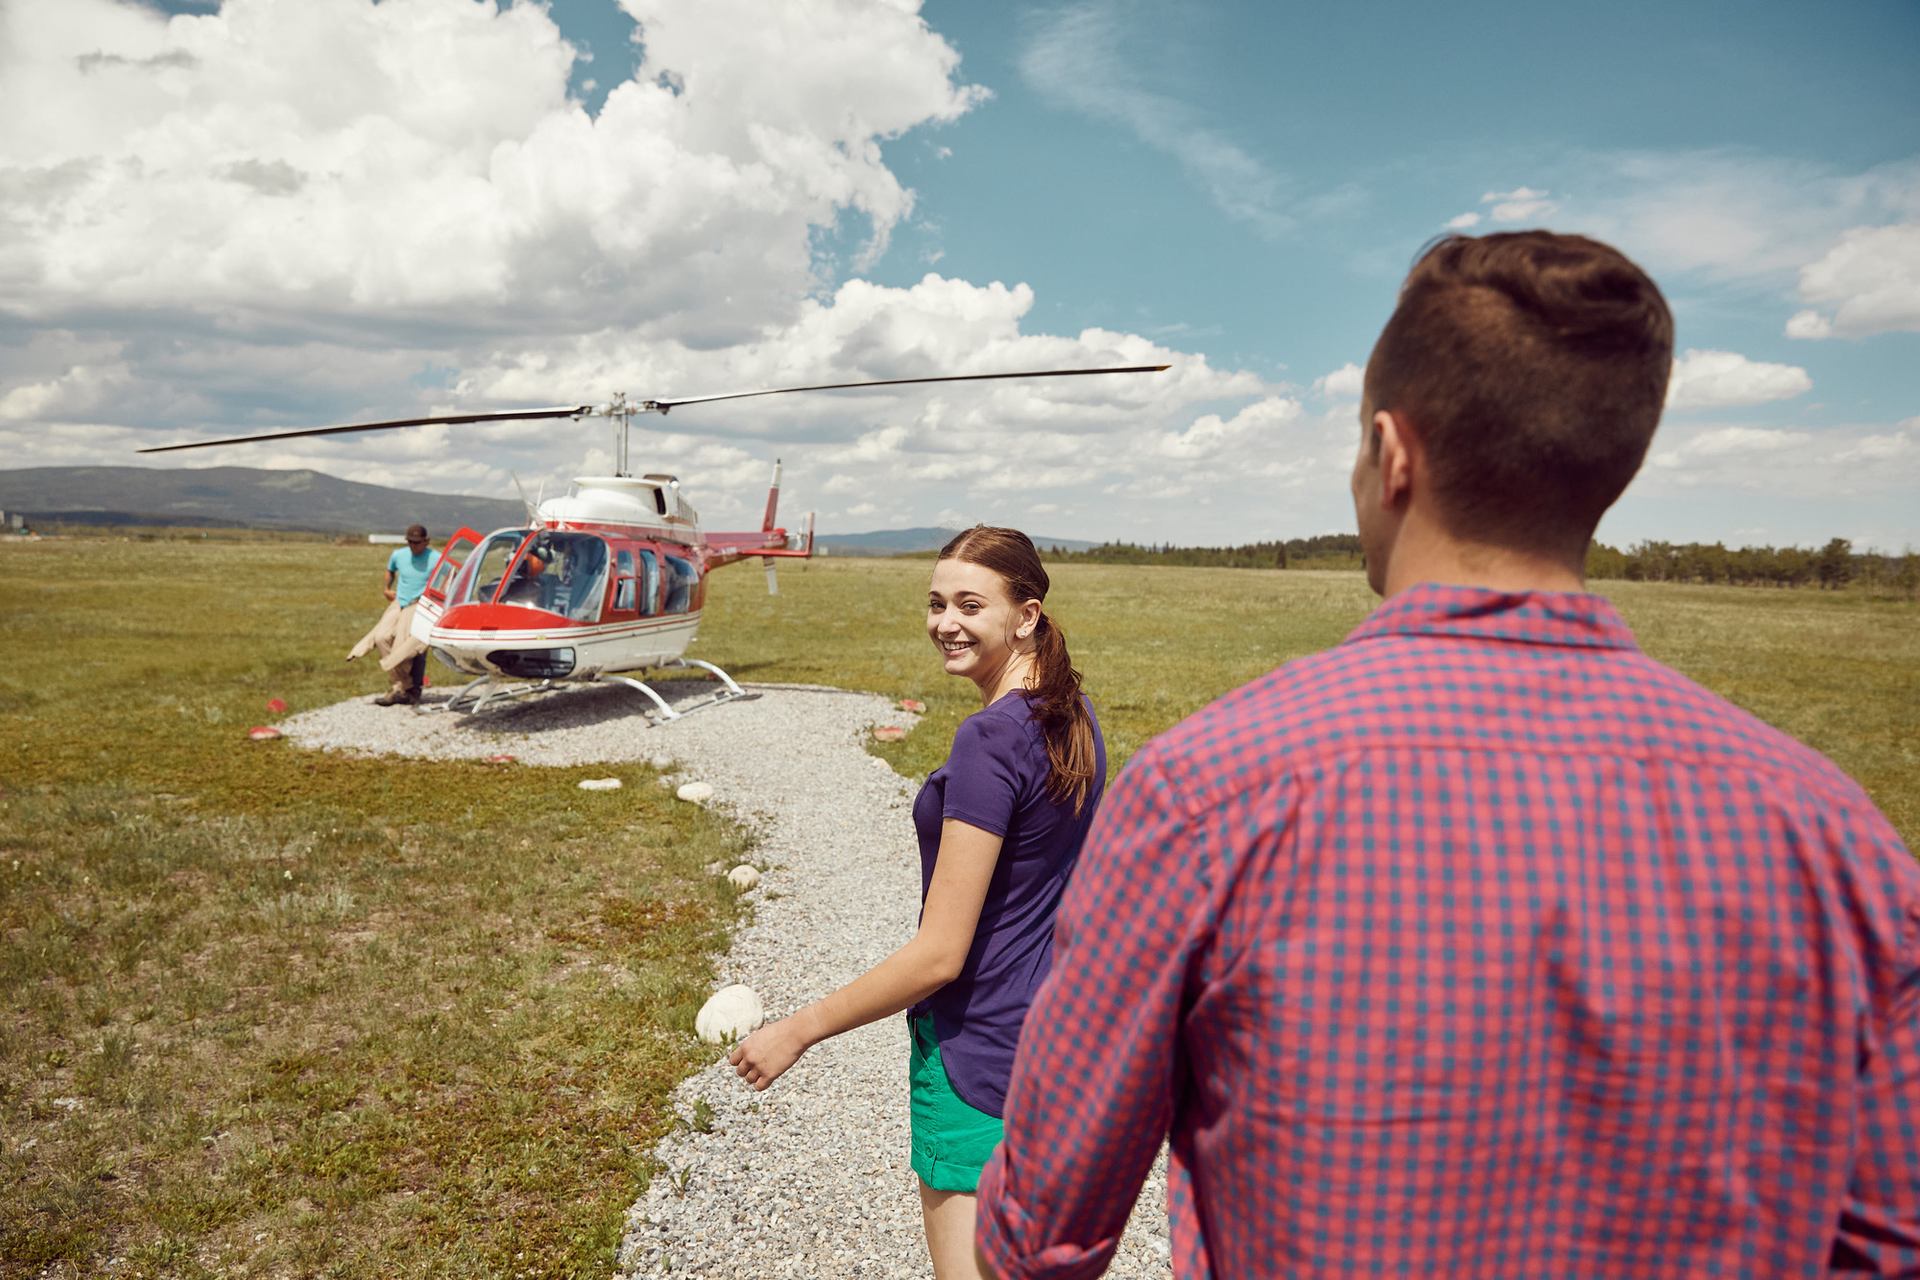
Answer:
x=235 y=216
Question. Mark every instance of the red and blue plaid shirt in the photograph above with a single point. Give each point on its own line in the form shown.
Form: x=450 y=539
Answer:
x=1481 y=945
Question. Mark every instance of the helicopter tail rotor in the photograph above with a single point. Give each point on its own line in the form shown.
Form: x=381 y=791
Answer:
x=767 y=526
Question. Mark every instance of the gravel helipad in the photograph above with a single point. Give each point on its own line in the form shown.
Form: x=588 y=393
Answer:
x=811 y=1177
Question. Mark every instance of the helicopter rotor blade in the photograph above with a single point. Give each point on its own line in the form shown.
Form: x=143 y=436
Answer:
x=664 y=405
x=451 y=419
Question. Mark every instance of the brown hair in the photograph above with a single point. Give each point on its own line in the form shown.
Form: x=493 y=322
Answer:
x=1055 y=699
x=1533 y=368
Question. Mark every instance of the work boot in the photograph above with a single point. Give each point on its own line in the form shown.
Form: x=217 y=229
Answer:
x=416 y=677
x=397 y=698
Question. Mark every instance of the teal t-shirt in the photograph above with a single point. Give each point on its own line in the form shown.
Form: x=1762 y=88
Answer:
x=409 y=570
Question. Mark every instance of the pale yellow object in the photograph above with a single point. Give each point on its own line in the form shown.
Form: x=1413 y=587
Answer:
x=732 y=1013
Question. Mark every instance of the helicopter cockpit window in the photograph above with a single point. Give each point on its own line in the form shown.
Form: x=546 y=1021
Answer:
x=564 y=573
x=482 y=577
x=681 y=579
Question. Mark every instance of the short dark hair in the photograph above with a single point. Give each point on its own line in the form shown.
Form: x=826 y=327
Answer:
x=416 y=531
x=1533 y=368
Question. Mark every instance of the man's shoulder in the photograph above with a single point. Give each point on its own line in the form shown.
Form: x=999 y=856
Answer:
x=1686 y=719
x=1406 y=690
x=1264 y=724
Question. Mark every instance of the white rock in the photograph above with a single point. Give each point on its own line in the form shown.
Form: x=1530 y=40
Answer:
x=696 y=792
x=661 y=762
x=744 y=876
x=729 y=1014
x=599 y=784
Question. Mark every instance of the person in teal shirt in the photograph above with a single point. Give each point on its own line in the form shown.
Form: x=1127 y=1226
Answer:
x=402 y=657
x=407 y=568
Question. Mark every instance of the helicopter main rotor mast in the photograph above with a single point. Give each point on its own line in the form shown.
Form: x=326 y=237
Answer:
x=622 y=410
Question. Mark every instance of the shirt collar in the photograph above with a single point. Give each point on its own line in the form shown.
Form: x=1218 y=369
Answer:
x=1578 y=620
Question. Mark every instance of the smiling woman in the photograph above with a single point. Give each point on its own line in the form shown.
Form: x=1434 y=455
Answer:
x=1000 y=826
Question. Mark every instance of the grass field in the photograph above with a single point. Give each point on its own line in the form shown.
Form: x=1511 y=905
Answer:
x=271 y=1012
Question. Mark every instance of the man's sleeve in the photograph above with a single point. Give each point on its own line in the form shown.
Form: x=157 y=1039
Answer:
x=1880 y=1225
x=1094 y=1082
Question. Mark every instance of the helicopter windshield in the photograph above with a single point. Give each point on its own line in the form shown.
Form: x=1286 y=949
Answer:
x=564 y=573
x=485 y=569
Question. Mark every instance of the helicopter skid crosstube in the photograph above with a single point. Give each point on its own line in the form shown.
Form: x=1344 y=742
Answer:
x=480 y=694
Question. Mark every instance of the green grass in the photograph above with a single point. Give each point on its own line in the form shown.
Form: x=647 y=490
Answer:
x=275 y=1012
x=288 y=1013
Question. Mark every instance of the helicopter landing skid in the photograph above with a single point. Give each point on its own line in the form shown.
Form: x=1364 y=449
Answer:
x=483 y=693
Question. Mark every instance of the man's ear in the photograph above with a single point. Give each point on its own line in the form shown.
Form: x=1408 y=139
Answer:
x=1398 y=455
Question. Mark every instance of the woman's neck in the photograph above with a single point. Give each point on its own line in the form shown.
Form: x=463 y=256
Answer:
x=1016 y=674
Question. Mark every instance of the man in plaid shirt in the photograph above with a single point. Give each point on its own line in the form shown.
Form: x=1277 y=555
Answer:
x=1481 y=945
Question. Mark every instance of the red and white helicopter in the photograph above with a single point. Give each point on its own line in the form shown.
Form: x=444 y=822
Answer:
x=605 y=581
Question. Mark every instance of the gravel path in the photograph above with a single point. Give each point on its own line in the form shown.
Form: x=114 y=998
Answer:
x=811 y=1177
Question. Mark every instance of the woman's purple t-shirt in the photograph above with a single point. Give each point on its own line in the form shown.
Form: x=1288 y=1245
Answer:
x=995 y=778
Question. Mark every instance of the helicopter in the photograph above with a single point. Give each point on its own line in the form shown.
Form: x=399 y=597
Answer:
x=604 y=582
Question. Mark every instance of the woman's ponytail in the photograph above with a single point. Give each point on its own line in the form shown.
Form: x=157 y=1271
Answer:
x=1064 y=720
x=1058 y=706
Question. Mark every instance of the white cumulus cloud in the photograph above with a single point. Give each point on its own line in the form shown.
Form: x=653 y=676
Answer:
x=1519 y=205
x=317 y=158
x=1344 y=383
x=1862 y=463
x=1718 y=379
x=1256 y=430
x=1522 y=204
x=1869 y=282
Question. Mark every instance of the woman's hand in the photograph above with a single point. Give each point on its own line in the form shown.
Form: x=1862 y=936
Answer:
x=764 y=1056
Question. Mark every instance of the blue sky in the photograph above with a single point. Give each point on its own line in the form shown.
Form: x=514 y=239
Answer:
x=1238 y=190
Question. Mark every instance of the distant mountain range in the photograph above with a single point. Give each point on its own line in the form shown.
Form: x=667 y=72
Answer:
x=240 y=497
x=254 y=498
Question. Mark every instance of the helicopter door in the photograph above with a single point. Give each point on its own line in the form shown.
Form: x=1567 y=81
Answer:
x=625 y=590
x=649 y=582
x=453 y=556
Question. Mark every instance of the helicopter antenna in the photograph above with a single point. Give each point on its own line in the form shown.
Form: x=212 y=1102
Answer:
x=533 y=511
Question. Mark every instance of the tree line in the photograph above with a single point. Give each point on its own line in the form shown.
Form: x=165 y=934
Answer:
x=1328 y=551
x=1832 y=566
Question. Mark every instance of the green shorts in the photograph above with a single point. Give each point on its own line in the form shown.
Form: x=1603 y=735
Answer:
x=951 y=1139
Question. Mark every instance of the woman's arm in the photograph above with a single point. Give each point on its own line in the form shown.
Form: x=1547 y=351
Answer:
x=929 y=961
